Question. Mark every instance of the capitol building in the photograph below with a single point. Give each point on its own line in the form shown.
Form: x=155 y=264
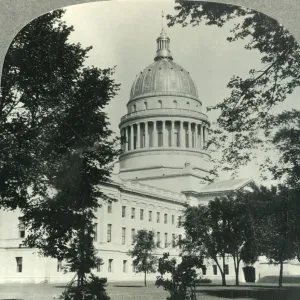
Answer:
x=164 y=165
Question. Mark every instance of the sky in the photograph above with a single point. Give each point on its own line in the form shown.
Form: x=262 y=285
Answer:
x=123 y=34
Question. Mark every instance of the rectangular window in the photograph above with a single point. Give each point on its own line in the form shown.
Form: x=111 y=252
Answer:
x=158 y=239
x=179 y=222
x=110 y=265
x=132 y=213
x=132 y=236
x=173 y=241
x=179 y=241
x=173 y=219
x=160 y=139
x=165 y=218
x=124 y=266
x=226 y=269
x=59 y=265
x=109 y=208
x=123 y=211
x=95 y=227
x=141 y=214
x=109 y=233
x=19 y=261
x=98 y=265
x=150 y=216
x=158 y=217
x=123 y=235
x=204 y=270
x=166 y=240
x=215 y=270
x=21 y=229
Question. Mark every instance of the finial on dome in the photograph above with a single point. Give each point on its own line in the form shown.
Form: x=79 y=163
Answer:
x=163 y=43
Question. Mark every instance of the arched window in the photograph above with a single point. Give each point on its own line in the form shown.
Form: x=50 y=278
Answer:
x=175 y=104
x=134 y=108
x=159 y=103
x=145 y=105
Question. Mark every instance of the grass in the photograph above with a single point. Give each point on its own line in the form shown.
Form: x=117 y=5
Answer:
x=265 y=289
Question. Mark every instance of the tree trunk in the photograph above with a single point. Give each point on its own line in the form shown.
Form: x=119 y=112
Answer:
x=145 y=279
x=280 y=273
x=237 y=282
x=223 y=273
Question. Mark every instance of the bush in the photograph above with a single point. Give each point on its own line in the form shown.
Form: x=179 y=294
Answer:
x=93 y=289
x=203 y=280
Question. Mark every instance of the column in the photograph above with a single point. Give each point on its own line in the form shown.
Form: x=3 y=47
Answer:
x=146 y=135
x=138 y=136
x=182 y=135
x=190 y=134
x=201 y=136
x=204 y=137
x=172 y=133
x=154 y=137
x=131 y=138
x=127 y=140
x=165 y=134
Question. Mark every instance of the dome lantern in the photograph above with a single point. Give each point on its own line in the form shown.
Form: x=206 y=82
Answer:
x=163 y=45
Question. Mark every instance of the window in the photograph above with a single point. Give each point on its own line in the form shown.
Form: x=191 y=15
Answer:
x=109 y=208
x=173 y=219
x=158 y=217
x=110 y=262
x=59 y=266
x=19 y=261
x=132 y=236
x=226 y=270
x=132 y=213
x=215 y=270
x=150 y=216
x=158 y=239
x=123 y=211
x=159 y=104
x=179 y=241
x=166 y=240
x=165 y=218
x=145 y=105
x=98 y=265
x=95 y=209
x=109 y=233
x=175 y=103
x=141 y=214
x=95 y=232
x=123 y=235
x=21 y=229
x=134 y=142
x=179 y=221
x=134 y=108
x=204 y=270
x=160 y=139
x=173 y=241
x=176 y=139
x=188 y=105
x=124 y=266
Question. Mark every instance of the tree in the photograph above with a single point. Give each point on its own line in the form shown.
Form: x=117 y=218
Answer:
x=279 y=244
x=183 y=280
x=142 y=253
x=203 y=236
x=247 y=114
x=56 y=141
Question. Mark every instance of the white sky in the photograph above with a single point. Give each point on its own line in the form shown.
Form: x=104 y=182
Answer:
x=123 y=33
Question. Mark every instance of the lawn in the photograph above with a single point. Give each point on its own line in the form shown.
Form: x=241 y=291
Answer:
x=136 y=291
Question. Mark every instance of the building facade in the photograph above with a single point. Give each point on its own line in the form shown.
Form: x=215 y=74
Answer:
x=163 y=166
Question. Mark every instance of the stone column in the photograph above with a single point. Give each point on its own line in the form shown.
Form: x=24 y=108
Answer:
x=172 y=133
x=146 y=135
x=165 y=134
x=154 y=137
x=131 y=137
x=190 y=134
x=182 y=135
x=138 y=136
x=201 y=137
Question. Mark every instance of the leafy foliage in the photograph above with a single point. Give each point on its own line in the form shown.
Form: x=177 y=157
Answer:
x=142 y=253
x=183 y=279
x=247 y=114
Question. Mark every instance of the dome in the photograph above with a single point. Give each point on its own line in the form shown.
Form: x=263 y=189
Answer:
x=163 y=77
